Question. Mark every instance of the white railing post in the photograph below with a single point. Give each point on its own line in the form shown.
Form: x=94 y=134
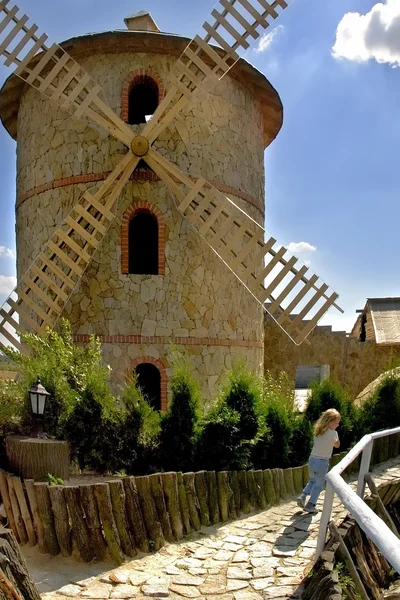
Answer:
x=325 y=518
x=364 y=467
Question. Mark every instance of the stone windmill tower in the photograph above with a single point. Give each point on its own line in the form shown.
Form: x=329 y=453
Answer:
x=162 y=243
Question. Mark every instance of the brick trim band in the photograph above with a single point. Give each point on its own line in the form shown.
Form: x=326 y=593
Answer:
x=133 y=78
x=131 y=211
x=184 y=341
x=138 y=175
x=163 y=377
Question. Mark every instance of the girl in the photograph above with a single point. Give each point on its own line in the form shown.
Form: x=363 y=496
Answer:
x=325 y=440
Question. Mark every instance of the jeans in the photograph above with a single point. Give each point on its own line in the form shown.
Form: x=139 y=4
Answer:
x=318 y=468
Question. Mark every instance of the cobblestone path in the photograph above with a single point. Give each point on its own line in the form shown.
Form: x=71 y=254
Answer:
x=262 y=556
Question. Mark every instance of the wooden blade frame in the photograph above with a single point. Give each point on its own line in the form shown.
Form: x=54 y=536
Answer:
x=269 y=272
x=51 y=71
x=40 y=296
x=202 y=66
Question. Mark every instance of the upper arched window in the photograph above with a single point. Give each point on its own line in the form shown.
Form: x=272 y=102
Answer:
x=149 y=381
x=143 y=99
x=143 y=243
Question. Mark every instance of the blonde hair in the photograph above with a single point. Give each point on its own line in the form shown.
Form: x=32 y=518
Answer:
x=327 y=417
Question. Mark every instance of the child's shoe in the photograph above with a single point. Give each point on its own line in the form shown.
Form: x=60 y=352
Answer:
x=311 y=508
x=301 y=501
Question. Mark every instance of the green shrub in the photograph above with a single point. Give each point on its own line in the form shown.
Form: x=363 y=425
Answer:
x=300 y=441
x=330 y=394
x=242 y=394
x=219 y=445
x=93 y=431
x=179 y=424
x=64 y=369
x=139 y=432
x=229 y=428
x=273 y=445
x=382 y=409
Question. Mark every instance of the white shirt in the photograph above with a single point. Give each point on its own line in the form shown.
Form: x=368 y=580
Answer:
x=323 y=444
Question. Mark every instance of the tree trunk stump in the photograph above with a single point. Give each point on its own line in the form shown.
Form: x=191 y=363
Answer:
x=34 y=458
x=14 y=566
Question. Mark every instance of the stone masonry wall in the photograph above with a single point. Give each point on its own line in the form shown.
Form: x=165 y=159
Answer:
x=352 y=363
x=197 y=304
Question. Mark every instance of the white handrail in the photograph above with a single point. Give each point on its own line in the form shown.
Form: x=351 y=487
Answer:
x=370 y=523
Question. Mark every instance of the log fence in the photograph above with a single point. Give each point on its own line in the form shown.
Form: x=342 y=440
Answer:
x=110 y=520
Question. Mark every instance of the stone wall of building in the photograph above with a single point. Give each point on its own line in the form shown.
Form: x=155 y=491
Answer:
x=352 y=363
x=197 y=304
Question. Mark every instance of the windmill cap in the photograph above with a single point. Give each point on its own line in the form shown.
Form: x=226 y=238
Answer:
x=141 y=21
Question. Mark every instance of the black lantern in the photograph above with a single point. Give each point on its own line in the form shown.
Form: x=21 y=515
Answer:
x=37 y=396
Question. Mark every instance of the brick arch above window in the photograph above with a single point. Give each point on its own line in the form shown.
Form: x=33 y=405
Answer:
x=130 y=212
x=163 y=376
x=133 y=78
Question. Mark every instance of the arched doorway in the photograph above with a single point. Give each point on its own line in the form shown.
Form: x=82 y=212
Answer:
x=149 y=380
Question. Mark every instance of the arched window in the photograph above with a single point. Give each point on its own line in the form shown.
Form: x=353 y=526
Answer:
x=143 y=243
x=143 y=100
x=149 y=381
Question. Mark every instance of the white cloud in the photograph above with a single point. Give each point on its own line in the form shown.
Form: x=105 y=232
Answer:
x=6 y=252
x=7 y=284
x=375 y=35
x=301 y=247
x=267 y=39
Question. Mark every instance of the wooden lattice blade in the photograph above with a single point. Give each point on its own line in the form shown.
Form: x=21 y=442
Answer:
x=42 y=293
x=53 y=72
x=280 y=282
x=202 y=64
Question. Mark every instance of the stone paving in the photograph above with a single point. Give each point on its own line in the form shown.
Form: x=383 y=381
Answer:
x=261 y=556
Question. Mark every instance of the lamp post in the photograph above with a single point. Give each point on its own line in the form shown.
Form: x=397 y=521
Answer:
x=37 y=396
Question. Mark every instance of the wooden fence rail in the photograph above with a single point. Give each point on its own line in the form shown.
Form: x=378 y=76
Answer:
x=107 y=521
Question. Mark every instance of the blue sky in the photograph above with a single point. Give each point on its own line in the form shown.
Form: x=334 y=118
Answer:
x=332 y=175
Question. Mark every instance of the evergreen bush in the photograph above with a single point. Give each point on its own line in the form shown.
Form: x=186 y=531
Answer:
x=179 y=424
x=229 y=428
x=382 y=409
x=329 y=394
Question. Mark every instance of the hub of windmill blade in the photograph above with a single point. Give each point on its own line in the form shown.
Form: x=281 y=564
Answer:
x=140 y=145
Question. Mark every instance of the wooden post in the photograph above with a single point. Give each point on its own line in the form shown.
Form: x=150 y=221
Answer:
x=80 y=531
x=183 y=504
x=14 y=566
x=19 y=491
x=259 y=481
x=234 y=483
x=61 y=518
x=23 y=537
x=7 y=503
x=30 y=491
x=118 y=502
x=200 y=483
x=151 y=521
x=193 y=501
x=269 y=488
x=157 y=491
x=297 y=479
x=97 y=541
x=282 y=484
x=170 y=485
x=277 y=484
x=251 y=487
x=224 y=494
x=244 y=492
x=134 y=514
x=212 y=490
x=103 y=498
x=289 y=484
x=46 y=516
